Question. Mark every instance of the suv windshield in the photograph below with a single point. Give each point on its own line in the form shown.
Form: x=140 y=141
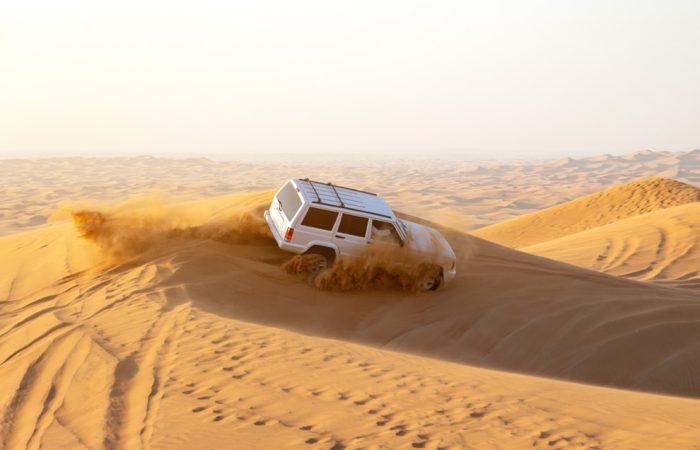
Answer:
x=289 y=199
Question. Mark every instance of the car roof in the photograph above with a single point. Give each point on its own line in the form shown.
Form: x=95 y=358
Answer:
x=343 y=198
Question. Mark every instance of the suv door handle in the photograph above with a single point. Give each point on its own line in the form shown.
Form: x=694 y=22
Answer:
x=340 y=237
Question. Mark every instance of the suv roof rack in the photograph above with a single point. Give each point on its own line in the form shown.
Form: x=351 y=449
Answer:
x=355 y=202
x=335 y=185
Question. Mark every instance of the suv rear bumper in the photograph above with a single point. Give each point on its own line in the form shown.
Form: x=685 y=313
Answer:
x=281 y=243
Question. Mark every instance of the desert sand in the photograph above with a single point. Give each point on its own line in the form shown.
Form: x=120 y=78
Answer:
x=145 y=316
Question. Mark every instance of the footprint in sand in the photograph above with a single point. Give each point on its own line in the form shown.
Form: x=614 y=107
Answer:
x=400 y=430
x=423 y=441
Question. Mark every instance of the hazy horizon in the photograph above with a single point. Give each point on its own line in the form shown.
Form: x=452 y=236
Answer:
x=318 y=159
x=453 y=80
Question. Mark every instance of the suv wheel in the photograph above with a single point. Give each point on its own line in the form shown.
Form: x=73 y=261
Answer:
x=430 y=283
x=319 y=265
x=430 y=277
x=323 y=259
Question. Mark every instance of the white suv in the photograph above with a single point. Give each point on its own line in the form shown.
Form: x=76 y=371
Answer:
x=309 y=217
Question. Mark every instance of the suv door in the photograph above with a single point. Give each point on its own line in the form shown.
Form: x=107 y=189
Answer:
x=351 y=235
x=317 y=224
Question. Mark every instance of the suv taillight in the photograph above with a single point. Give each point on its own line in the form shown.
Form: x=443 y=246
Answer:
x=289 y=233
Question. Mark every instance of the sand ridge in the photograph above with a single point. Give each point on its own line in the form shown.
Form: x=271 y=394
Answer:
x=591 y=211
x=661 y=246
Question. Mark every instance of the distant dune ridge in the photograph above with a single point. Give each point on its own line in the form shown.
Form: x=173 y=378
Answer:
x=591 y=211
x=156 y=323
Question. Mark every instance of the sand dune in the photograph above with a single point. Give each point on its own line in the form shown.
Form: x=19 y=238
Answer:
x=463 y=194
x=195 y=336
x=595 y=210
x=174 y=325
x=662 y=246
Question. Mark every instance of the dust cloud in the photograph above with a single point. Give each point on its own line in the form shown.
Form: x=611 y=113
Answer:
x=142 y=225
x=376 y=268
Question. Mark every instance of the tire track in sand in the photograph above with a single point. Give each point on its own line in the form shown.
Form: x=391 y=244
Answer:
x=139 y=380
x=42 y=389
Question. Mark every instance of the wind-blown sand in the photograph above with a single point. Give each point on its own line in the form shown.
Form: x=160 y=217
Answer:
x=173 y=325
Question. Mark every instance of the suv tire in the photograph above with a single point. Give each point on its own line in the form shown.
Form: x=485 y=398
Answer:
x=327 y=257
x=431 y=283
x=430 y=278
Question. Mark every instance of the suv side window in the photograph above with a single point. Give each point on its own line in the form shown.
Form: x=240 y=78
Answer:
x=385 y=232
x=320 y=218
x=353 y=225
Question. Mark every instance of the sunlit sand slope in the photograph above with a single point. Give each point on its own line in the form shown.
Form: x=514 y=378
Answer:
x=33 y=259
x=662 y=246
x=187 y=333
x=595 y=210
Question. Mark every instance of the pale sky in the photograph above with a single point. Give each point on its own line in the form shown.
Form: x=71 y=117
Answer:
x=464 y=79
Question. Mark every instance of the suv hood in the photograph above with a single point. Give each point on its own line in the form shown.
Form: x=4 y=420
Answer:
x=428 y=241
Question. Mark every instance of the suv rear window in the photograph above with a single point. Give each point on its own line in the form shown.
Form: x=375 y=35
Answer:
x=354 y=225
x=289 y=198
x=320 y=218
